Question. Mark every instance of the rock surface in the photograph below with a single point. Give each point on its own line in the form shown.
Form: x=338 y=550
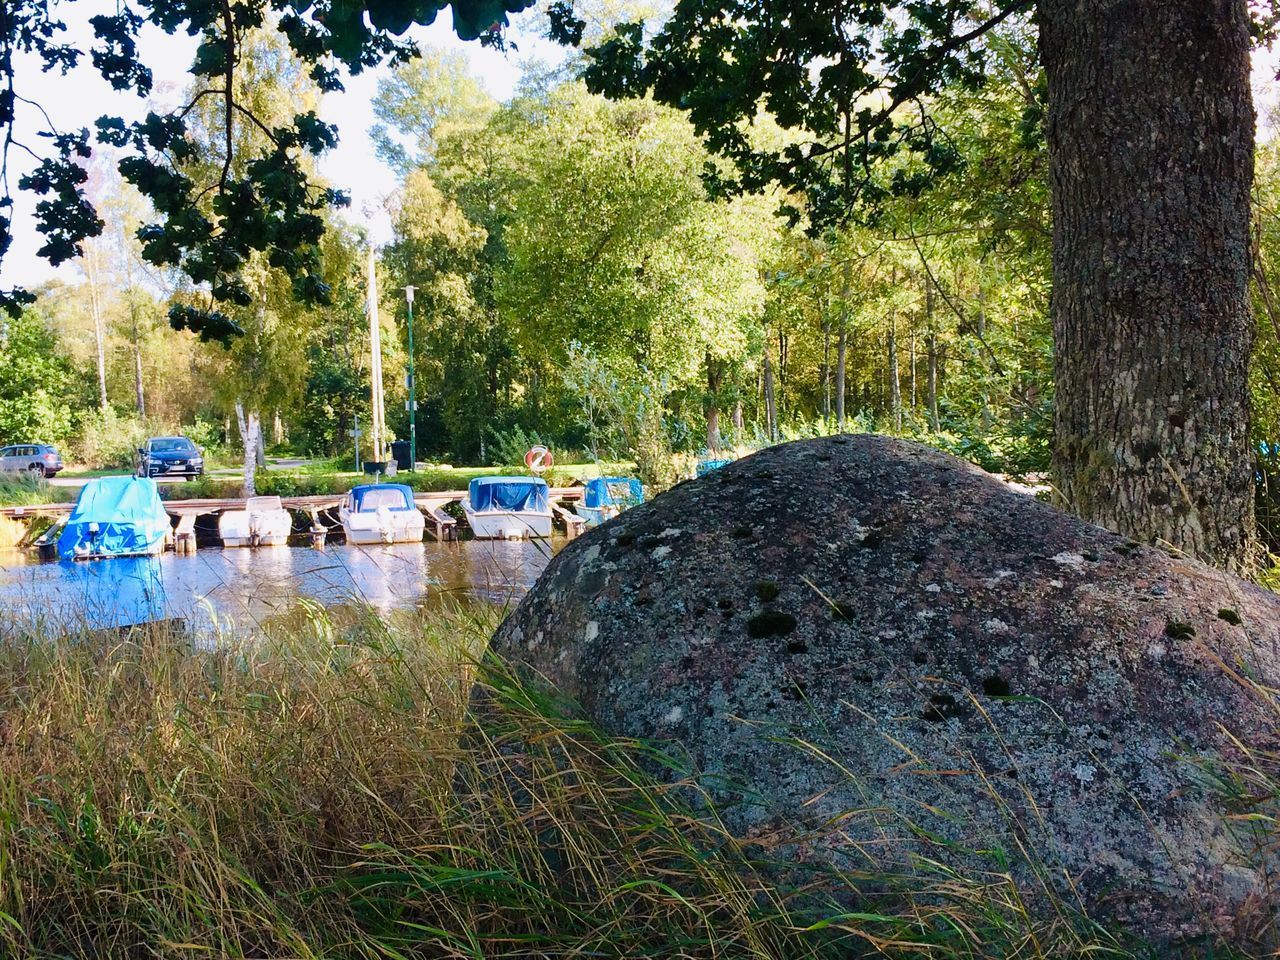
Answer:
x=975 y=671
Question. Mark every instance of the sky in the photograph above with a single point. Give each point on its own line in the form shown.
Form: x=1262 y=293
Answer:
x=79 y=98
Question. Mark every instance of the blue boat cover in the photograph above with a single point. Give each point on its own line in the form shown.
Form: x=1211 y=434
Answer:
x=706 y=466
x=508 y=493
x=373 y=496
x=114 y=516
x=613 y=491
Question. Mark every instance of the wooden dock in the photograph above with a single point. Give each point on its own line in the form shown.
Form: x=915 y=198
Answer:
x=432 y=504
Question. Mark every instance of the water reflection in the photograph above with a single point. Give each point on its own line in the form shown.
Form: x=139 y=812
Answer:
x=246 y=587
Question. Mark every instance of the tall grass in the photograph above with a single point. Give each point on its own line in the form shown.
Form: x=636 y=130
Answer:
x=323 y=789
x=24 y=490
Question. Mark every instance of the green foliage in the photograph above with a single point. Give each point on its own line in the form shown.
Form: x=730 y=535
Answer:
x=36 y=382
x=841 y=120
x=626 y=414
x=424 y=101
x=508 y=447
x=218 y=209
x=107 y=440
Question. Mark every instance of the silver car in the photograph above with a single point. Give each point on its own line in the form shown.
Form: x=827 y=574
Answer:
x=38 y=459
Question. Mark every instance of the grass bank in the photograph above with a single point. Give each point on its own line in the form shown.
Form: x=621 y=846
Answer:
x=321 y=790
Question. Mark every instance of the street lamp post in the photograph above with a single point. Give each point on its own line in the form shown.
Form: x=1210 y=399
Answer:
x=413 y=398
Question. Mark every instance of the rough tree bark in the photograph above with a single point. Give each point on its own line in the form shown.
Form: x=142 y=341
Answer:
x=1151 y=134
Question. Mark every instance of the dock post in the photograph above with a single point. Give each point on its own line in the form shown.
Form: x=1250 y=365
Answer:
x=184 y=537
x=573 y=524
x=318 y=531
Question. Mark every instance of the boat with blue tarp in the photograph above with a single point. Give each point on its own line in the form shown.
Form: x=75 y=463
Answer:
x=381 y=513
x=115 y=517
x=605 y=497
x=707 y=466
x=508 y=508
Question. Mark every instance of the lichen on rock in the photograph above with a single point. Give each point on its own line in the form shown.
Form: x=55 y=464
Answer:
x=885 y=654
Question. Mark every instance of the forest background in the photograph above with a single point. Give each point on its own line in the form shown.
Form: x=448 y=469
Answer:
x=577 y=287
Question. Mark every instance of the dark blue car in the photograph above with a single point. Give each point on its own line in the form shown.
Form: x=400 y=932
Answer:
x=170 y=457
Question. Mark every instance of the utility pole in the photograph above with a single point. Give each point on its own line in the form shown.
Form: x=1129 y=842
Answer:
x=413 y=395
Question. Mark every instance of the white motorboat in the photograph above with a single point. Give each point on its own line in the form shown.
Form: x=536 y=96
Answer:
x=508 y=508
x=605 y=497
x=263 y=522
x=381 y=513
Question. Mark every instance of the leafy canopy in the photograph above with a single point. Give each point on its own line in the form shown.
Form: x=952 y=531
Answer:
x=211 y=218
x=849 y=80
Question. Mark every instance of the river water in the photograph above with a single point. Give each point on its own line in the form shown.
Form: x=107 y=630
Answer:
x=243 y=588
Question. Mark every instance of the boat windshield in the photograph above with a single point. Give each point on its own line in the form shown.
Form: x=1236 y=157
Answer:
x=391 y=498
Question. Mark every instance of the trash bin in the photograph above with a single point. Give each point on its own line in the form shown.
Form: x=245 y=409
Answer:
x=400 y=452
x=373 y=467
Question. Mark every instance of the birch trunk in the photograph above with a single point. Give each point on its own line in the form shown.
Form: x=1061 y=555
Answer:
x=249 y=438
x=99 y=328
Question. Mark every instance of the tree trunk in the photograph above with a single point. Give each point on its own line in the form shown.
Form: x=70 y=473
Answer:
x=984 y=397
x=931 y=382
x=770 y=402
x=714 y=377
x=737 y=421
x=249 y=434
x=825 y=379
x=842 y=342
x=911 y=369
x=99 y=329
x=259 y=448
x=895 y=385
x=139 y=395
x=931 y=349
x=1151 y=131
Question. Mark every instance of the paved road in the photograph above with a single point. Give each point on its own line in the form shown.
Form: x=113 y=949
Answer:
x=273 y=463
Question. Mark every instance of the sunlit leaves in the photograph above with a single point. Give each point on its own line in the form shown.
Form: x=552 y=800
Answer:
x=212 y=219
x=844 y=76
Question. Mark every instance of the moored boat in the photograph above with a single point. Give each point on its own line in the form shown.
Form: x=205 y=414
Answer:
x=707 y=466
x=263 y=522
x=508 y=508
x=605 y=497
x=381 y=513
x=115 y=517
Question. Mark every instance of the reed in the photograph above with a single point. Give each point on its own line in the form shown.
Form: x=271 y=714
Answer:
x=328 y=788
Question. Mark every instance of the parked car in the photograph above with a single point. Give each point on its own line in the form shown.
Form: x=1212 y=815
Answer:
x=170 y=457
x=39 y=459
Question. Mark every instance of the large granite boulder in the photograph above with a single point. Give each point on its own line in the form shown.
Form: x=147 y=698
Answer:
x=872 y=652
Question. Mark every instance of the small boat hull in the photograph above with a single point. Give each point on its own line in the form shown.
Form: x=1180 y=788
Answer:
x=264 y=523
x=507 y=524
x=384 y=513
x=594 y=516
x=383 y=527
x=115 y=517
